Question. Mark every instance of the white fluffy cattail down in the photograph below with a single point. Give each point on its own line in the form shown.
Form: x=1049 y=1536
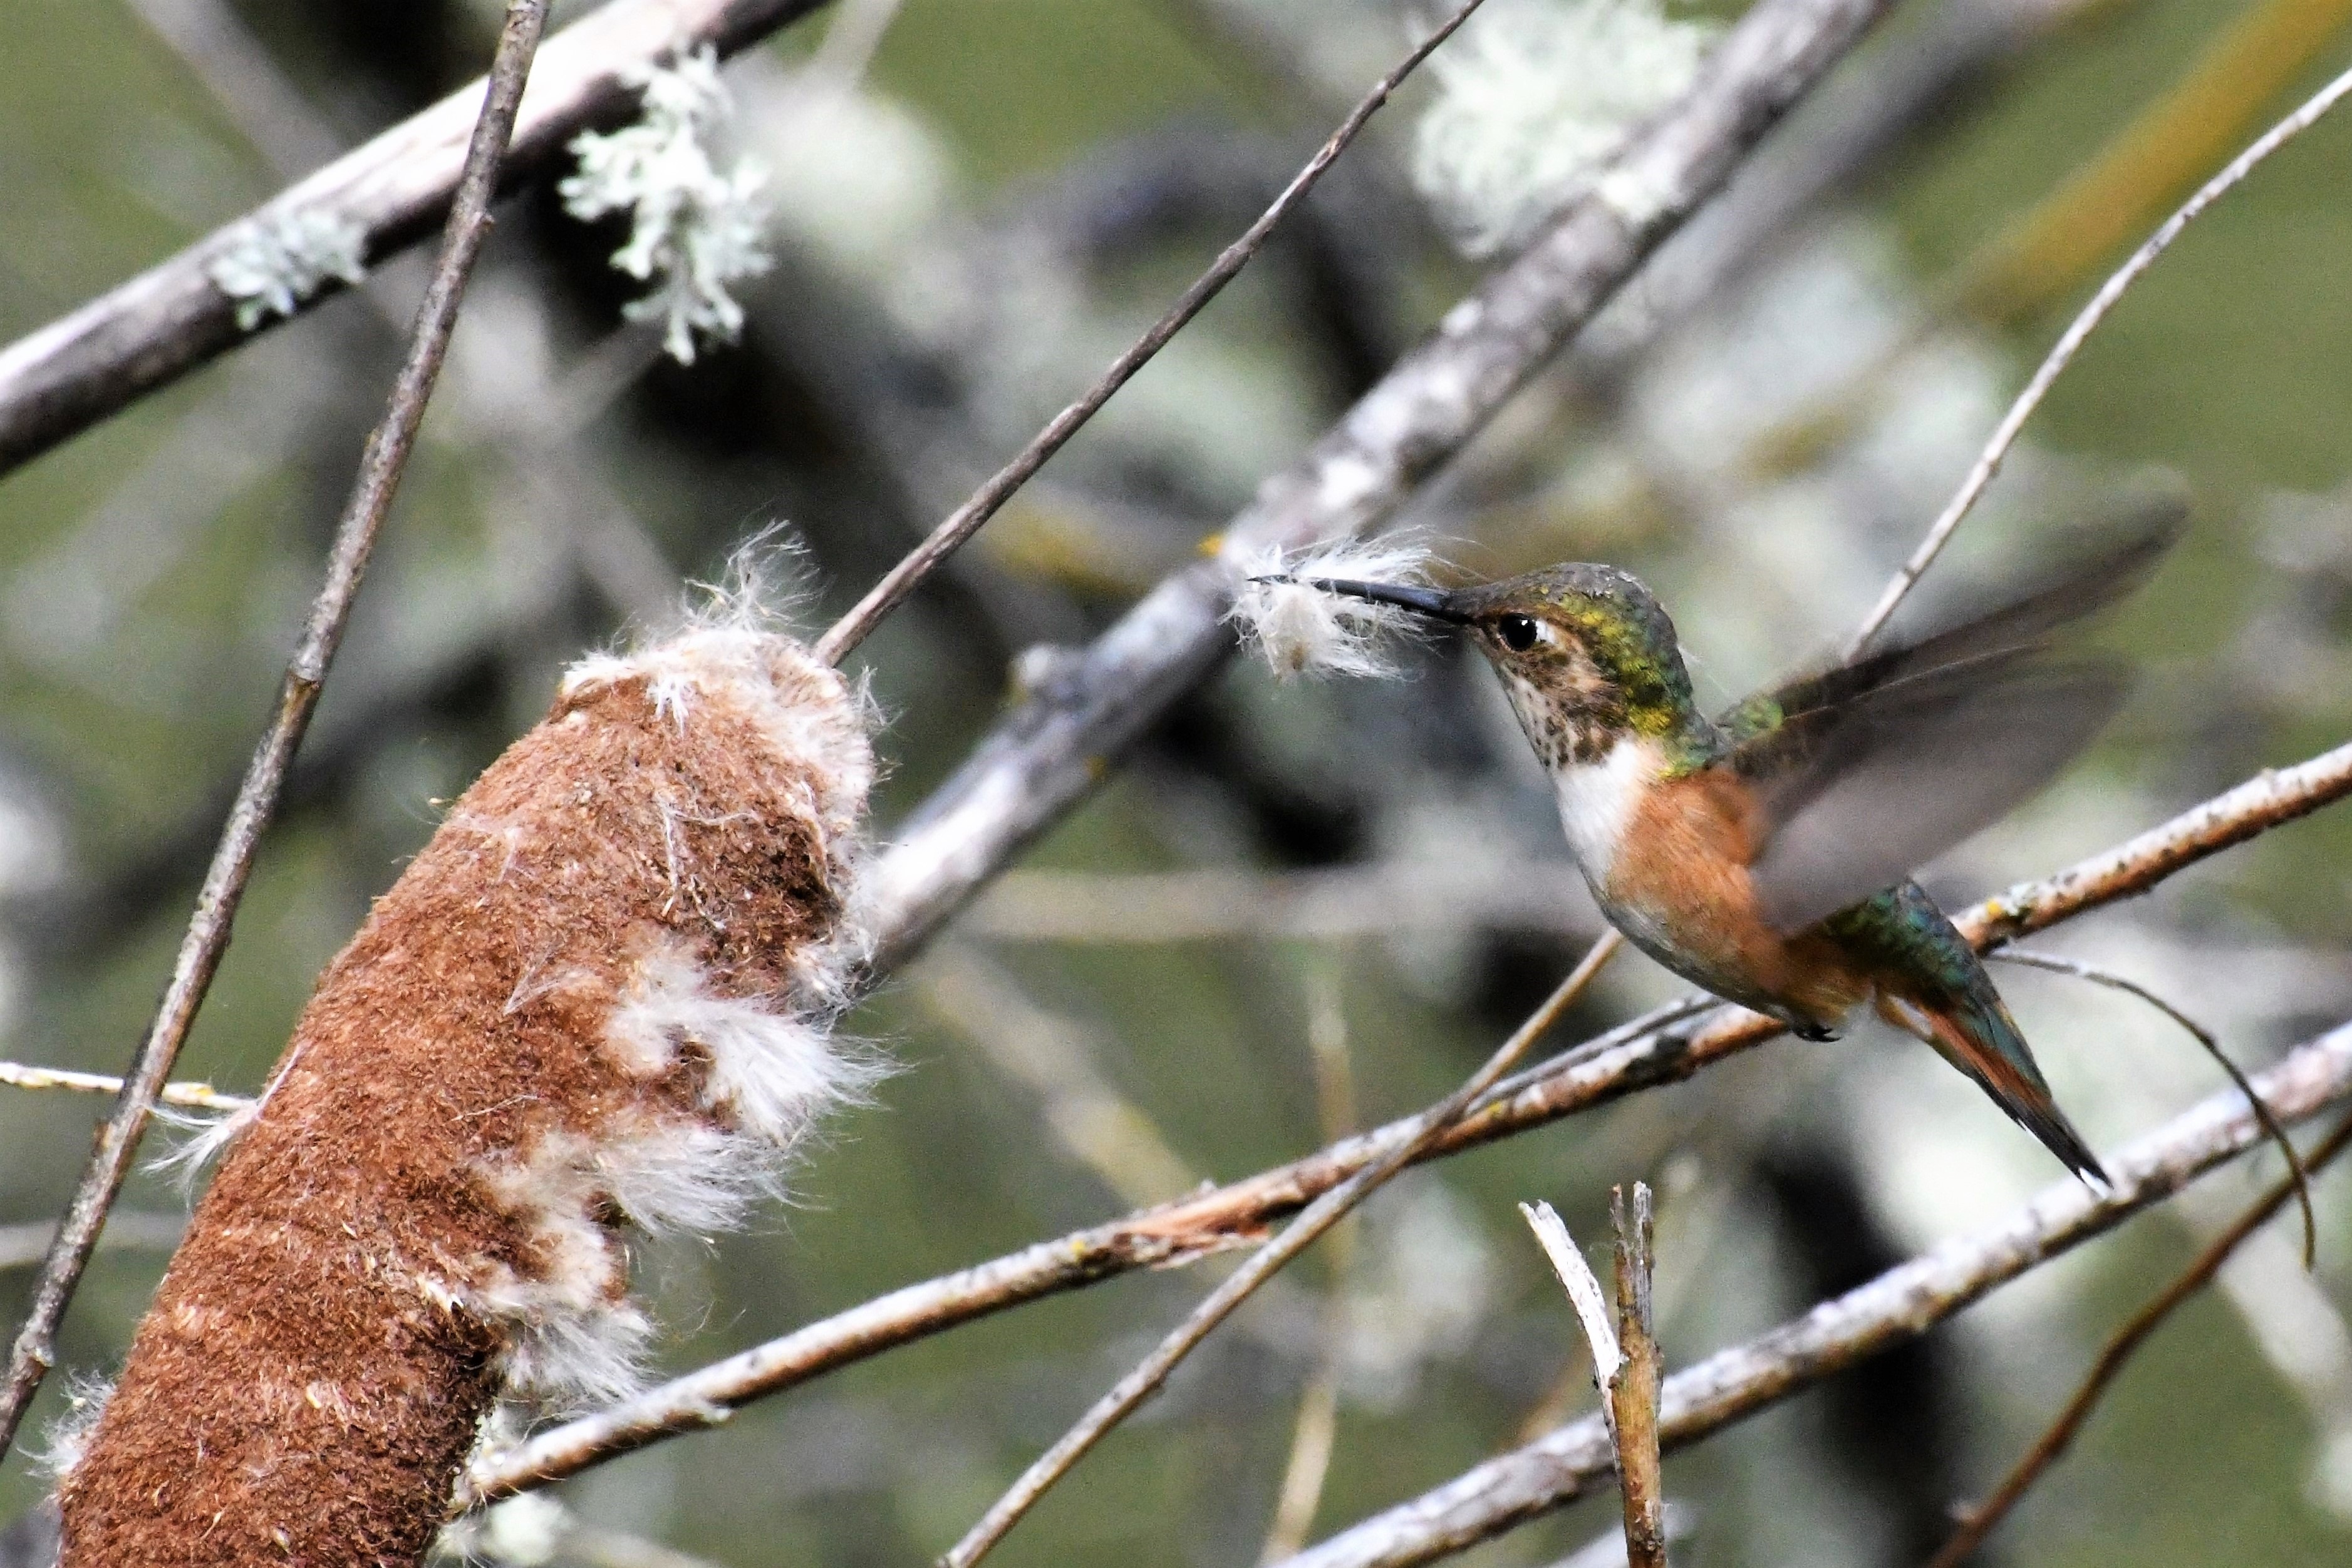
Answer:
x=1531 y=96
x=595 y=1003
x=1299 y=630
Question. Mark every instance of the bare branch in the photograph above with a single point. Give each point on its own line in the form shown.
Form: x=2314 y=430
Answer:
x=2061 y=353
x=1899 y=1304
x=148 y=332
x=1981 y=1521
x=2296 y=1177
x=1633 y=1390
x=1312 y=1222
x=387 y=455
x=969 y=519
x=1583 y=1288
x=1660 y=1048
x=196 y=1096
x=1049 y=754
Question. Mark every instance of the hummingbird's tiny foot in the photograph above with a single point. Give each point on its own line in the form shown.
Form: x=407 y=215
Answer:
x=1813 y=1031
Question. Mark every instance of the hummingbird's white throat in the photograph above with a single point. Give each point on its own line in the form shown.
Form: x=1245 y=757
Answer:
x=1597 y=801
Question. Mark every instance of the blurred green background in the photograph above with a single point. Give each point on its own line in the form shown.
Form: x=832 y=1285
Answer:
x=963 y=236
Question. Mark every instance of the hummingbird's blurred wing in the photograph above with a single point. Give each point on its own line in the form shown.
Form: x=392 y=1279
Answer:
x=1864 y=772
x=1853 y=796
x=2065 y=593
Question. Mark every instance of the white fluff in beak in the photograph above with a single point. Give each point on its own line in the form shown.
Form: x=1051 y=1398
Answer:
x=1299 y=630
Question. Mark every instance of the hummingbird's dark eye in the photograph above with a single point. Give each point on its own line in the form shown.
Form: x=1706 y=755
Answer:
x=1517 y=632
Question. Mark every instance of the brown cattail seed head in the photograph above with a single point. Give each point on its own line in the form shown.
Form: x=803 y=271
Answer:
x=596 y=998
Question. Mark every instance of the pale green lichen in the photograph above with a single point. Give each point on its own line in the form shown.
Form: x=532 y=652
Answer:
x=269 y=264
x=694 y=227
x=1531 y=96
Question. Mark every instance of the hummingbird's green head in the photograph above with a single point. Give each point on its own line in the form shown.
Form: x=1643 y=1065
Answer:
x=1586 y=653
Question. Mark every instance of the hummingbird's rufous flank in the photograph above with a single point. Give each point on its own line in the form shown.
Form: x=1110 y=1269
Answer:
x=1765 y=855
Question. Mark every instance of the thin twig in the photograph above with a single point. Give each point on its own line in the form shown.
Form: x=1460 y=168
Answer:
x=1661 y=1047
x=1980 y=1521
x=2297 y=1177
x=2063 y=354
x=966 y=520
x=1319 y=1216
x=380 y=463
x=196 y=1096
x=1835 y=1334
x=1633 y=1391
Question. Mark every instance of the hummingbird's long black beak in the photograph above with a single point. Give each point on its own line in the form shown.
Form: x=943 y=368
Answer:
x=1433 y=603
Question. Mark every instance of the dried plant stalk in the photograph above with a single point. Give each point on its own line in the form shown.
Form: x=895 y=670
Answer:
x=596 y=999
x=1632 y=1391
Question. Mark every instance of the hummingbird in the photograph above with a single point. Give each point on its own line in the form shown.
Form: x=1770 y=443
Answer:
x=1765 y=854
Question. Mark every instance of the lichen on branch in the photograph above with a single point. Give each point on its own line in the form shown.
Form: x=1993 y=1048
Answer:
x=694 y=227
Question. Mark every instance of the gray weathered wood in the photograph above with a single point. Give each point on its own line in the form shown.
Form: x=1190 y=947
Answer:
x=170 y=319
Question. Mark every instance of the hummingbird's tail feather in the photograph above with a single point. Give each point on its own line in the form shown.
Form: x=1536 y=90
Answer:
x=1974 y=1033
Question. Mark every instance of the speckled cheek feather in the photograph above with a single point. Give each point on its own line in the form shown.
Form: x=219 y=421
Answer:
x=598 y=999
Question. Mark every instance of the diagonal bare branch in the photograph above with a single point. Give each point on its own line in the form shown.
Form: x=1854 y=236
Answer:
x=1670 y=1045
x=2070 y=343
x=148 y=332
x=381 y=466
x=1899 y=1304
